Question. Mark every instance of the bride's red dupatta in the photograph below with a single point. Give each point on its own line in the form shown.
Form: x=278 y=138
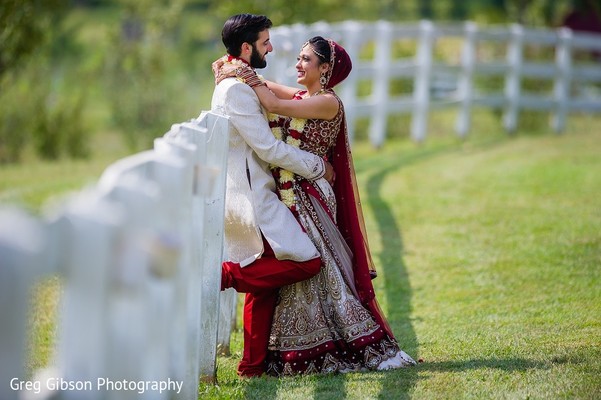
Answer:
x=349 y=218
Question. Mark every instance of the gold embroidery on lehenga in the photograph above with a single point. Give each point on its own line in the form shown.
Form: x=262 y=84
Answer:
x=371 y=358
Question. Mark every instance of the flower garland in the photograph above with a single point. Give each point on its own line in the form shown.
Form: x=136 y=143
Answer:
x=291 y=136
x=234 y=60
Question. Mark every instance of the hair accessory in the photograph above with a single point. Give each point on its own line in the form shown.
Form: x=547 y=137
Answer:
x=317 y=53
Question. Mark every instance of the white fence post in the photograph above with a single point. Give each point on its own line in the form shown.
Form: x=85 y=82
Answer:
x=185 y=135
x=515 y=51
x=91 y=239
x=421 y=89
x=215 y=160
x=466 y=80
x=22 y=243
x=377 y=128
x=182 y=216
x=563 y=79
x=227 y=319
x=348 y=93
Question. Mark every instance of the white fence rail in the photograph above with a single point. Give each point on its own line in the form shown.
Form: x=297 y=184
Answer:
x=139 y=258
x=441 y=83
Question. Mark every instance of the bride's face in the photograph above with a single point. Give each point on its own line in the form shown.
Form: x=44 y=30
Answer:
x=308 y=68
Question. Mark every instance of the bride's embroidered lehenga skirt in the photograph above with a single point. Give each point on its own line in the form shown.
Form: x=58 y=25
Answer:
x=320 y=325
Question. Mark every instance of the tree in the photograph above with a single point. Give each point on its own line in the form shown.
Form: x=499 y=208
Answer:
x=425 y=9
x=459 y=10
x=23 y=27
x=34 y=110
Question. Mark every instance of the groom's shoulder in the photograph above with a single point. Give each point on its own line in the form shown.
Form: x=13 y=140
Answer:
x=235 y=93
x=233 y=85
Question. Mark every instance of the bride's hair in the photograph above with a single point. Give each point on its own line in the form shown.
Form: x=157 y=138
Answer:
x=321 y=48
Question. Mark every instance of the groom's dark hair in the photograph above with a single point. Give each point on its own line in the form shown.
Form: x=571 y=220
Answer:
x=243 y=28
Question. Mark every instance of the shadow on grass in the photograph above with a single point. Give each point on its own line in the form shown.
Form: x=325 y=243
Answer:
x=333 y=388
x=397 y=289
x=325 y=387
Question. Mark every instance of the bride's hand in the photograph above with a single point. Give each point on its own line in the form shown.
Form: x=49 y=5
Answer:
x=223 y=69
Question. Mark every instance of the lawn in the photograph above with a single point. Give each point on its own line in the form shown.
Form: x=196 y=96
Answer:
x=489 y=260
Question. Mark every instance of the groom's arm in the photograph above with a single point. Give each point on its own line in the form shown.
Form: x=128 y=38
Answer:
x=245 y=112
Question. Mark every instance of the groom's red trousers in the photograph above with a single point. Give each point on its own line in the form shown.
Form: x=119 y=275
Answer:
x=261 y=281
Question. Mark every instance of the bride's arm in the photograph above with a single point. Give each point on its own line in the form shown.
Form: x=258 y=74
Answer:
x=281 y=91
x=324 y=106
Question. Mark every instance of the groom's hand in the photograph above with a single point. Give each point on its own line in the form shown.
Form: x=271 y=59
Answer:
x=330 y=174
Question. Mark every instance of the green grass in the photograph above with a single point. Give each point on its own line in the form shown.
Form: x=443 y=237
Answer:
x=489 y=258
x=500 y=242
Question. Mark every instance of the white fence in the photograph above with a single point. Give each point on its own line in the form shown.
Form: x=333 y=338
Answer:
x=139 y=257
x=441 y=83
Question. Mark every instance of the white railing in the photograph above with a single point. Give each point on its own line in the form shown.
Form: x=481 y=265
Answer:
x=139 y=258
x=439 y=83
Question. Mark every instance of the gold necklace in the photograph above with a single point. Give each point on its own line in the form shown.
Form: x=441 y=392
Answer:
x=320 y=91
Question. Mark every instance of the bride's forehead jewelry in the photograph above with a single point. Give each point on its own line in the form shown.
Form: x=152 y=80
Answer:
x=313 y=49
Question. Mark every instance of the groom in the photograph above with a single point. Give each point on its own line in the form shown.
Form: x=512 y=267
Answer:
x=266 y=246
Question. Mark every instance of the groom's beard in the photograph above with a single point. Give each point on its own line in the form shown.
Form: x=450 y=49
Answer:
x=256 y=59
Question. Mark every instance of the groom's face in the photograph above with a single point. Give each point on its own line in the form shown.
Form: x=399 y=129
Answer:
x=260 y=49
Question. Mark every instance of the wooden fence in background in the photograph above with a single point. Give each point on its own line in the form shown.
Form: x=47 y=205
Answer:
x=138 y=256
x=441 y=82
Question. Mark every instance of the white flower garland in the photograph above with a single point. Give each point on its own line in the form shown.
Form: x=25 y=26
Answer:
x=293 y=138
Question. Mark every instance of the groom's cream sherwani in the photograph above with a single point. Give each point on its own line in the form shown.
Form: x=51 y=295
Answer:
x=251 y=204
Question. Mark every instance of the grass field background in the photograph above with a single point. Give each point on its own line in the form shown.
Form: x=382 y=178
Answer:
x=489 y=259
